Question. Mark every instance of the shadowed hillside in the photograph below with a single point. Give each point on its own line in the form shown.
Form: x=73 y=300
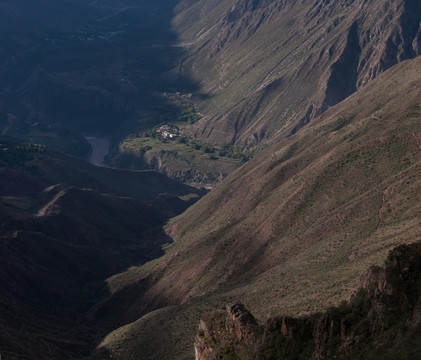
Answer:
x=71 y=67
x=65 y=226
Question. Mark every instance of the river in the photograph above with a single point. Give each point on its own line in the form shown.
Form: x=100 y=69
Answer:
x=100 y=148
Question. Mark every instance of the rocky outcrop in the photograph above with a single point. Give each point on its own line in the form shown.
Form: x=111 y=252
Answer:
x=388 y=306
x=233 y=326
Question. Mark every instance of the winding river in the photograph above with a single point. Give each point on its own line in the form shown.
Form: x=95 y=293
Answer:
x=100 y=148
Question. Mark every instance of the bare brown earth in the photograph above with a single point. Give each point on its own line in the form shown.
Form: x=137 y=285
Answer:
x=290 y=232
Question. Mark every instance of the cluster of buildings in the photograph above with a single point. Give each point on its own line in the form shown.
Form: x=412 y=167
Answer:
x=165 y=132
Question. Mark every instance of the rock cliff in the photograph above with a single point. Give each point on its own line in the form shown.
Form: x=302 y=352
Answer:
x=383 y=317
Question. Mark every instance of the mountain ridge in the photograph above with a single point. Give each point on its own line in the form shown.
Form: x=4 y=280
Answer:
x=285 y=63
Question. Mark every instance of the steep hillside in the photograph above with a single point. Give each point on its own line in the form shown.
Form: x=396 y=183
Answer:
x=288 y=233
x=266 y=68
x=65 y=226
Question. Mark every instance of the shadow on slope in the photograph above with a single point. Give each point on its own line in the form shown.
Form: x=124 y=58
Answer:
x=93 y=73
x=65 y=227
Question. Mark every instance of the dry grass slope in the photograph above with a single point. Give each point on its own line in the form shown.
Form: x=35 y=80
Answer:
x=291 y=231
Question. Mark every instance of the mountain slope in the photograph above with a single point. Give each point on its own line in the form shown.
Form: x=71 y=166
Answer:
x=65 y=226
x=266 y=68
x=289 y=232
